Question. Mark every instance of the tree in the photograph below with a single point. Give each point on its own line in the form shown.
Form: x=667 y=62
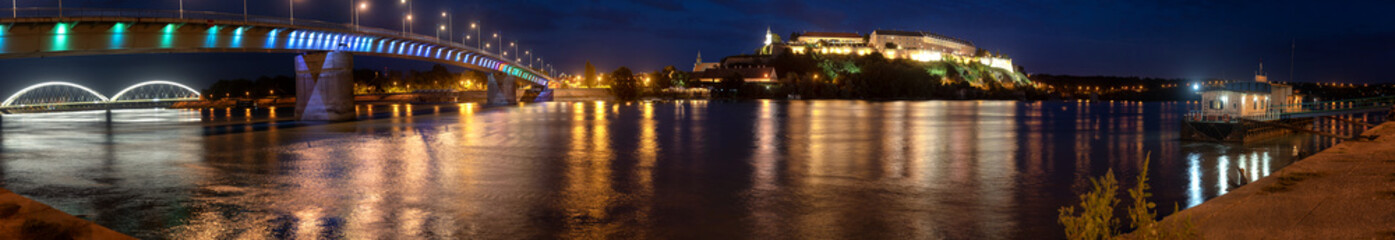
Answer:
x=731 y=84
x=589 y=79
x=664 y=78
x=680 y=78
x=625 y=86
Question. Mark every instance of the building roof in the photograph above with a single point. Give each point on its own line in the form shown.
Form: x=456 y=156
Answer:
x=759 y=72
x=921 y=34
x=828 y=35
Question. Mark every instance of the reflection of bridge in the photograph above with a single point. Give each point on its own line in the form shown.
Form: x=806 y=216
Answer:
x=323 y=71
x=63 y=96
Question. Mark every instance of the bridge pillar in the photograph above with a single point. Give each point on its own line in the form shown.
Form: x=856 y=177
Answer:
x=502 y=89
x=324 y=88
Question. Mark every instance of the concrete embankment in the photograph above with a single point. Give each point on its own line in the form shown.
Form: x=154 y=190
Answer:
x=23 y=218
x=1344 y=192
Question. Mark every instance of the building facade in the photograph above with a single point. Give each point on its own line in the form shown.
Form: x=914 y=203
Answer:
x=909 y=43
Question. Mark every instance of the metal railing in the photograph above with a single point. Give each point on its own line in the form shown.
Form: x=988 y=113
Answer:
x=21 y=15
x=1277 y=112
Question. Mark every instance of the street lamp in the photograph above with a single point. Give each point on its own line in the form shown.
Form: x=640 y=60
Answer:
x=181 y=9
x=438 y=32
x=292 y=2
x=407 y=28
x=450 y=24
x=479 y=39
x=363 y=6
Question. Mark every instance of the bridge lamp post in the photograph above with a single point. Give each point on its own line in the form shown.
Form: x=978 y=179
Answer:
x=438 y=32
x=407 y=27
x=479 y=37
x=181 y=9
x=361 y=7
x=515 y=50
x=501 y=42
x=292 y=3
x=450 y=25
x=406 y=22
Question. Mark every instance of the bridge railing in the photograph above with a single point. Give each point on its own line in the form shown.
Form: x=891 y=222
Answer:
x=199 y=17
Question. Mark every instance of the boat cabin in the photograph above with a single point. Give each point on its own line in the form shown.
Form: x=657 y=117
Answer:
x=1258 y=100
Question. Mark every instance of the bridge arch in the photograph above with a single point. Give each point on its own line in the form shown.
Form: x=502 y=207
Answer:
x=123 y=92
x=22 y=92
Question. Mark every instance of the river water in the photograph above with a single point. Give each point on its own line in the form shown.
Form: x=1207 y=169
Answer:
x=684 y=169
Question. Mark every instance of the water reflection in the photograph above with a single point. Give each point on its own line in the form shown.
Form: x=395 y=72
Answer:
x=682 y=169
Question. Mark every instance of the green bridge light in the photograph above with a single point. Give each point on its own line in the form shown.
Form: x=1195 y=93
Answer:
x=167 y=39
x=60 y=37
x=118 y=35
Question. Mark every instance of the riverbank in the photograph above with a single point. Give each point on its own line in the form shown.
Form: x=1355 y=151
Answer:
x=24 y=218
x=1344 y=192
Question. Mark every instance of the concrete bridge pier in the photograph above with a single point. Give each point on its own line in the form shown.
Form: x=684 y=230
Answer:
x=324 y=87
x=503 y=89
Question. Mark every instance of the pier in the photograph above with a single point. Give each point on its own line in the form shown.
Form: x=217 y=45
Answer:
x=1344 y=192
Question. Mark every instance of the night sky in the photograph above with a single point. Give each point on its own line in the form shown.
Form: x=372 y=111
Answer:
x=1337 y=41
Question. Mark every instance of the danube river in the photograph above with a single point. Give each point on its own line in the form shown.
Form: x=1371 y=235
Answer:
x=666 y=170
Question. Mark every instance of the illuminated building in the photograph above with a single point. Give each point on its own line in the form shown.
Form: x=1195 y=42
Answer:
x=1245 y=99
x=1243 y=111
x=701 y=66
x=904 y=44
x=750 y=74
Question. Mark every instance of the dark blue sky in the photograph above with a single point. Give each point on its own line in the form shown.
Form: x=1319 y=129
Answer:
x=1337 y=41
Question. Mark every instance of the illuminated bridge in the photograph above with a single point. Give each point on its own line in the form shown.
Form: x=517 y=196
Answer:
x=64 y=96
x=323 y=70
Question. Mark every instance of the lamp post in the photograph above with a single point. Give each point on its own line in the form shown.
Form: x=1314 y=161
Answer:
x=292 y=2
x=479 y=38
x=515 y=50
x=363 y=6
x=450 y=25
x=438 y=32
x=501 y=42
x=408 y=21
x=181 y=9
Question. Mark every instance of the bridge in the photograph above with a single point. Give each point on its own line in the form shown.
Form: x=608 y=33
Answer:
x=65 y=96
x=323 y=68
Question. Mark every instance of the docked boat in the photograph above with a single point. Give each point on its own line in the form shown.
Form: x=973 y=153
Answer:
x=1243 y=111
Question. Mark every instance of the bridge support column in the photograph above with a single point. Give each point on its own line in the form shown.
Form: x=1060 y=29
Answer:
x=324 y=88
x=502 y=89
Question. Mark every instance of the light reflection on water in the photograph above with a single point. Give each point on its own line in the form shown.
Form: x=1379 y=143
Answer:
x=762 y=169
